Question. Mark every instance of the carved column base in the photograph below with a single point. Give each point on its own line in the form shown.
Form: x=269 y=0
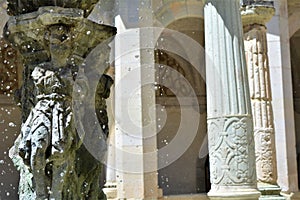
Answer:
x=233 y=194
x=269 y=191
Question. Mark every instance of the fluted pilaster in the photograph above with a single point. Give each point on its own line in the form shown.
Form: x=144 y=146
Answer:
x=230 y=128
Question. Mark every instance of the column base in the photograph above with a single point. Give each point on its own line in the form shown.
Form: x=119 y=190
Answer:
x=234 y=194
x=269 y=192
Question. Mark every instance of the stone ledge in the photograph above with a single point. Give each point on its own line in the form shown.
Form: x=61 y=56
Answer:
x=202 y=196
x=186 y=197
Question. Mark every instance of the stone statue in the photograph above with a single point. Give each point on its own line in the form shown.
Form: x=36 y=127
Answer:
x=53 y=162
x=43 y=133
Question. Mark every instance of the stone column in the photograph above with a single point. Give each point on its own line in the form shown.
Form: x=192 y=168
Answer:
x=136 y=158
x=230 y=124
x=135 y=112
x=254 y=18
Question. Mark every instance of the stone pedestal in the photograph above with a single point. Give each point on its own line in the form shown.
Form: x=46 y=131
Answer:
x=230 y=124
x=254 y=19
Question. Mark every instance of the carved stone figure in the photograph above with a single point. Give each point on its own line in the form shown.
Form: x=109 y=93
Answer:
x=43 y=133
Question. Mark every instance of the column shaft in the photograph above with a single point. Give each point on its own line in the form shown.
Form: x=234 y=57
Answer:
x=258 y=74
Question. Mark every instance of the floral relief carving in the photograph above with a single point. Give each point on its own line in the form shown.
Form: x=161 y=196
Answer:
x=230 y=150
x=264 y=153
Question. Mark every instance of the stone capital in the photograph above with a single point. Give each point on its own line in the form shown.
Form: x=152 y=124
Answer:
x=256 y=14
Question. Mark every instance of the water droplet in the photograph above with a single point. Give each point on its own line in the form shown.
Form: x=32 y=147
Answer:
x=11 y=124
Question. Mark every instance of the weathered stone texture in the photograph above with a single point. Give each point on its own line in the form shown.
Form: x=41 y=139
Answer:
x=260 y=92
x=53 y=162
x=17 y=7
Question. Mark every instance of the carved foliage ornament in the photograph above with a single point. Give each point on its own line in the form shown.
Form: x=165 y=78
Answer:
x=231 y=145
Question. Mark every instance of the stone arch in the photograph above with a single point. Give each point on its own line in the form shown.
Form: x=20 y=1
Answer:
x=294 y=23
x=193 y=170
x=174 y=10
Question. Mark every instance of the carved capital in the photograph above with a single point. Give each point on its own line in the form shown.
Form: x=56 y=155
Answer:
x=256 y=14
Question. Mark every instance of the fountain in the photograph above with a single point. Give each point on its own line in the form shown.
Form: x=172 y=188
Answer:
x=54 y=38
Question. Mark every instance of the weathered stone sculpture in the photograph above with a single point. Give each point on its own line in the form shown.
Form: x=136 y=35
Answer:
x=17 y=7
x=53 y=162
